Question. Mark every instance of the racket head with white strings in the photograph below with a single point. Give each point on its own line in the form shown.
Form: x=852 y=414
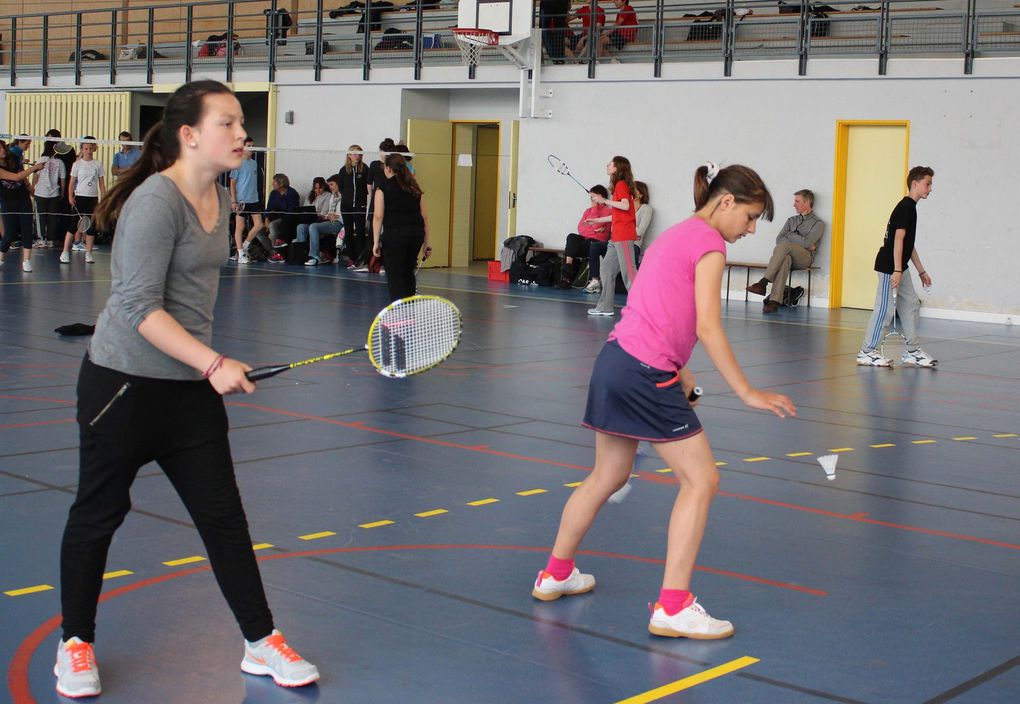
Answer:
x=84 y=222
x=894 y=343
x=561 y=168
x=62 y=148
x=412 y=335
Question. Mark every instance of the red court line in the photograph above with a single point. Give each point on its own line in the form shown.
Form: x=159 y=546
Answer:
x=17 y=672
x=857 y=518
x=37 y=423
x=35 y=398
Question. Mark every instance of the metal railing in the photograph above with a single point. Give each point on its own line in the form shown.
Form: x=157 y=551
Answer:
x=232 y=35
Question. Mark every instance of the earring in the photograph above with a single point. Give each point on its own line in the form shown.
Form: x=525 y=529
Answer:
x=193 y=145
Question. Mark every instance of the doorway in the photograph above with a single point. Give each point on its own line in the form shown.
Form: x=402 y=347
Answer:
x=871 y=169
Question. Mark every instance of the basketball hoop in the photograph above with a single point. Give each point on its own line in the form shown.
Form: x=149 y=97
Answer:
x=472 y=40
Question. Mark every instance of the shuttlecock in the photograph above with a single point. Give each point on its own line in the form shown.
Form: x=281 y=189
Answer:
x=828 y=463
x=620 y=494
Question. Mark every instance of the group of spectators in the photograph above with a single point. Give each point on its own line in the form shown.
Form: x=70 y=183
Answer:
x=54 y=194
x=561 y=43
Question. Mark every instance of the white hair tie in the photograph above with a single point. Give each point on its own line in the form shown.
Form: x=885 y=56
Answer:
x=713 y=170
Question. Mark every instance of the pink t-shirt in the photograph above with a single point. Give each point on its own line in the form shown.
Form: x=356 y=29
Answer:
x=598 y=232
x=659 y=323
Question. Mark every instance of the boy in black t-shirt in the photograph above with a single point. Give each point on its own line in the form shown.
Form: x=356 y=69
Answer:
x=891 y=264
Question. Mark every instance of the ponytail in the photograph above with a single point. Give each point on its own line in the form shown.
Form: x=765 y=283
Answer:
x=405 y=179
x=161 y=146
x=742 y=182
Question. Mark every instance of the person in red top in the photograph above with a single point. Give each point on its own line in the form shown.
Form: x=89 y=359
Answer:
x=622 y=254
x=624 y=28
x=590 y=240
x=580 y=40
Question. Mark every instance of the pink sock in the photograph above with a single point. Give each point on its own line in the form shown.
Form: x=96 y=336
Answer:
x=675 y=600
x=559 y=569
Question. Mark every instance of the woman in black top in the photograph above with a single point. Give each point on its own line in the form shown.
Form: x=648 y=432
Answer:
x=376 y=177
x=399 y=212
x=354 y=202
x=17 y=205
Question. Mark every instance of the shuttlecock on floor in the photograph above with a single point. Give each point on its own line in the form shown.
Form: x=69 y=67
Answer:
x=828 y=463
x=620 y=494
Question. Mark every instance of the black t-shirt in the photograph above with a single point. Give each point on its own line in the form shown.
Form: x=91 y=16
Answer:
x=14 y=196
x=904 y=217
x=401 y=211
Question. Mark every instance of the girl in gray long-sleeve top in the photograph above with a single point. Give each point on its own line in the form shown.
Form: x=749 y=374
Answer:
x=150 y=387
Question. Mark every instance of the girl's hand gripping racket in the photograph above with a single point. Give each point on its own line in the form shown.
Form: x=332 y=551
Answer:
x=407 y=337
x=564 y=170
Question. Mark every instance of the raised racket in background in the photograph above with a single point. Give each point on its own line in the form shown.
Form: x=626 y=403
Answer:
x=409 y=336
x=564 y=170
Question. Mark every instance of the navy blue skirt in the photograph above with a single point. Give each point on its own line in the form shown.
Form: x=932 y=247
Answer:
x=629 y=398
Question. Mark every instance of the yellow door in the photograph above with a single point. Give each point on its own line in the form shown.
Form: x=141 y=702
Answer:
x=432 y=144
x=486 y=192
x=511 y=217
x=874 y=176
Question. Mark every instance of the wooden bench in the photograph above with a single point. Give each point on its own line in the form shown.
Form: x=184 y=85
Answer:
x=757 y=265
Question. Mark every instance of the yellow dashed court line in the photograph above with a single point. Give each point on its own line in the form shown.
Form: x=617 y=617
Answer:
x=884 y=444
x=799 y=454
x=665 y=470
x=117 y=573
x=29 y=590
x=923 y=442
x=965 y=437
x=376 y=524
x=429 y=514
x=316 y=536
x=1006 y=435
x=688 y=682
x=573 y=484
x=842 y=449
x=482 y=502
x=531 y=492
x=756 y=459
x=720 y=463
x=261 y=546
x=184 y=561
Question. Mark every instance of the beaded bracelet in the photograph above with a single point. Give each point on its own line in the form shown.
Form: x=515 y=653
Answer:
x=217 y=363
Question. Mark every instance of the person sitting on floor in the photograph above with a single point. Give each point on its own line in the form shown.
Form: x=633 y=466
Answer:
x=796 y=245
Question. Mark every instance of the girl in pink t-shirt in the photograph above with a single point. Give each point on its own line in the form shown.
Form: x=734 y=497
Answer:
x=639 y=391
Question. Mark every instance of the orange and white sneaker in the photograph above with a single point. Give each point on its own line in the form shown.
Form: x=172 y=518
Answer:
x=272 y=656
x=691 y=622
x=76 y=669
x=548 y=588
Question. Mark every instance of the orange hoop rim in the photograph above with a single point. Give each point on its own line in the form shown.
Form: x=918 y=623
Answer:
x=476 y=35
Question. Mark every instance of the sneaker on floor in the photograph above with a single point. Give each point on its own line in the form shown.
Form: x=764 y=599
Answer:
x=596 y=311
x=312 y=261
x=232 y=257
x=26 y=266
x=89 y=259
x=548 y=588
x=242 y=258
x=280 y=244
x=769 y=307
x=16 y=244
x=276 y=258
x=76 y=670
x=692 y=622
x=793 y=296
x=918 y=358
x=78 y=246
x=65 y=258
x=873 y=358
x=272 y=656
x=594 y=286
x=360 y=269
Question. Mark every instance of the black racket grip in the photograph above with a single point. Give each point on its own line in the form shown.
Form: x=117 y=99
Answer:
x=266 y=372
x=695 y=394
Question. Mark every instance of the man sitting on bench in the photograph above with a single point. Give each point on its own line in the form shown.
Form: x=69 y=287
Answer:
x=796 y=246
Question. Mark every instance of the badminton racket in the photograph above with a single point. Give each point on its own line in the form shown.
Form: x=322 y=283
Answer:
x=61 y=148
x=424 y=256
x=564 y=170
x=84 y=221
x=409 y=336
x=894 y=344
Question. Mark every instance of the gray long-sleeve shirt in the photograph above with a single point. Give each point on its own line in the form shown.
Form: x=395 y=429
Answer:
x=163 y=259
x=805 y=230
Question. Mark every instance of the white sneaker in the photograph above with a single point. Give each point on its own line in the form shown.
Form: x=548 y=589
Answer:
x=243 y=258
x=593 y=287
x=596 y=311
x=873 y=358
x=692 y=622
x=78 y=246
x=918 y=358
x=65 y=258
x=76 y=670
x=272 y=656
x=548 y=588
x=232 y=257
x=26 y=266
x=89 y=259
x=312 y=261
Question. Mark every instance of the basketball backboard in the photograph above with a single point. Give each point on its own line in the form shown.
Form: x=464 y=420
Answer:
x=511 y=19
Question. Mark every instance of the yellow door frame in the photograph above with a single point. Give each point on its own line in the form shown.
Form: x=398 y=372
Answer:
x=839 y=198
x=453 y=180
